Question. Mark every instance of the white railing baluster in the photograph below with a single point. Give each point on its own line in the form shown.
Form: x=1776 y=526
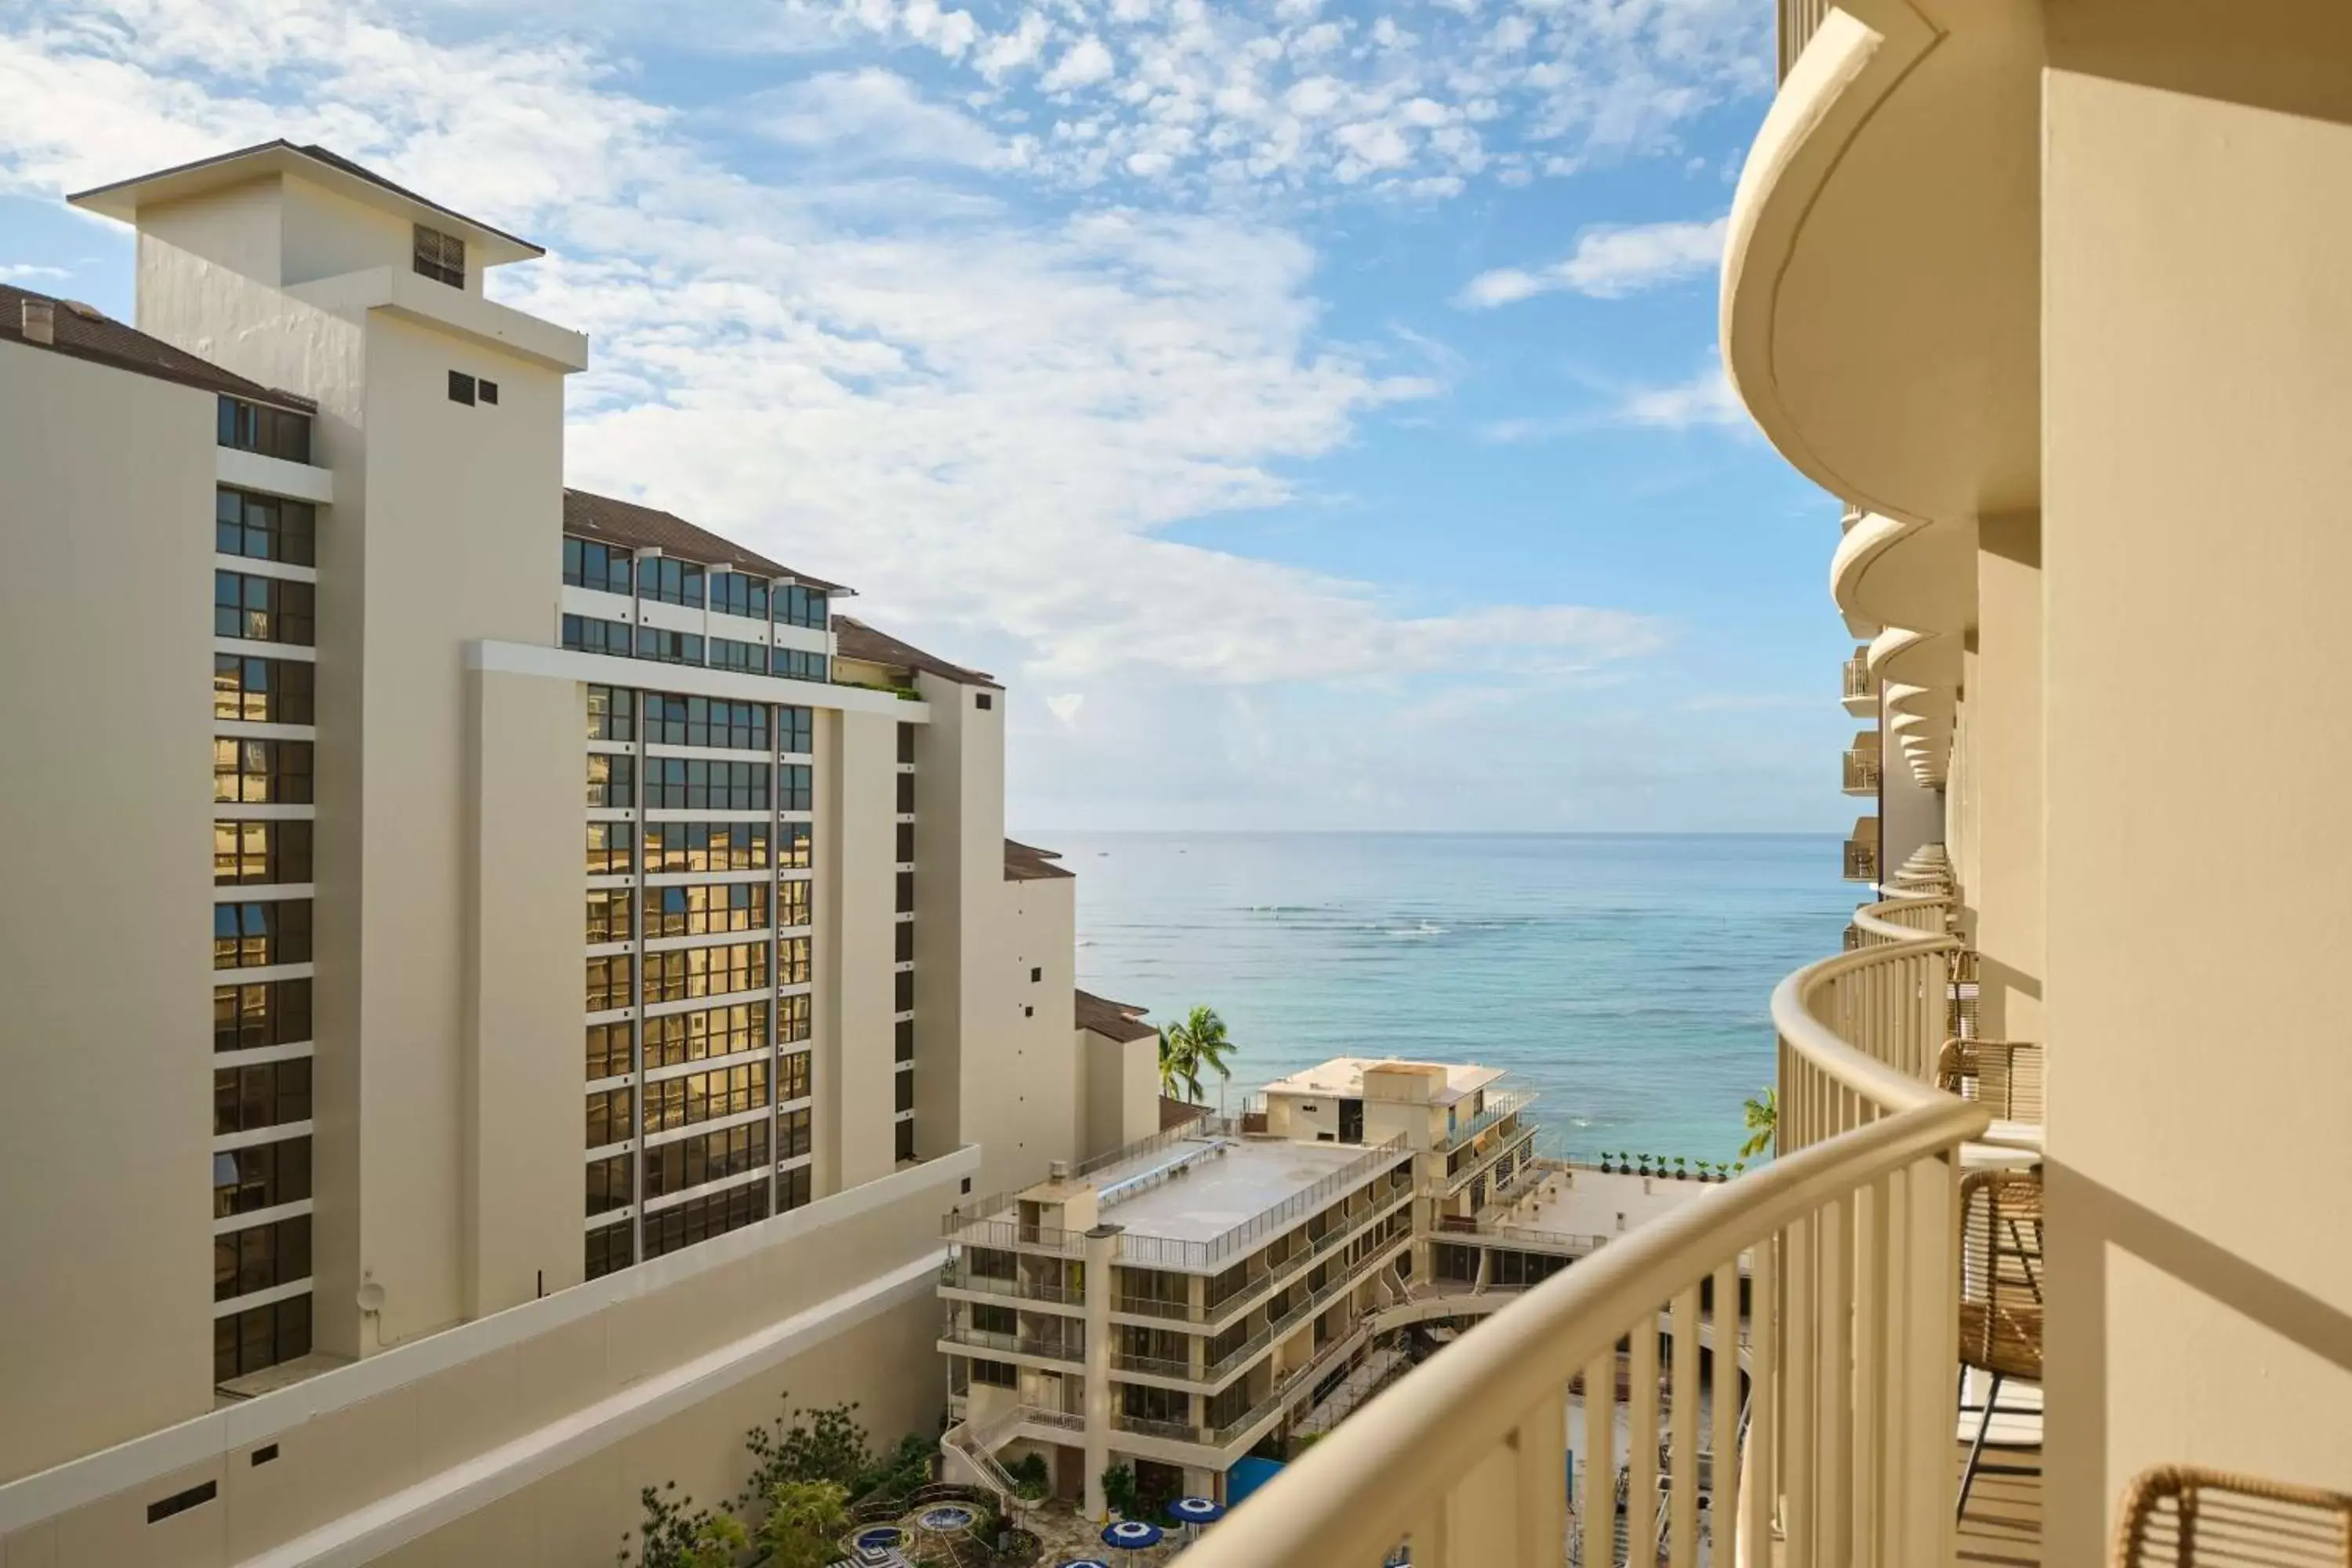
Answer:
x=1599 y=1500
x=1428 y=1534
x=1540 y=1458
x=1760 y=1499
x=1681 y=1539
x=1833 y=1274
x=1928 y=1411
x=1871 y=1328
x=1641 y=1456
x=1799 y=1324
x=1724 y=1403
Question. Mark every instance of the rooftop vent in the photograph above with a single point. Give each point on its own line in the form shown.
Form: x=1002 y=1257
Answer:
x=1058 y=1170
x=40 y=321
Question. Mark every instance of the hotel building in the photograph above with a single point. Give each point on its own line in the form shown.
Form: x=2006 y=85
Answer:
x=616 y=960
x=2050 y=295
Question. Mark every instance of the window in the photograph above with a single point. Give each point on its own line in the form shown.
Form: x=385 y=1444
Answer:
x=994 y=1374
x=589 y=565
x=264 y=528
x=708 y=970
x=792 y=960
x=713 y=1157
x=610 y=1181
x=793 y=787
x=983 y=701
x=254 y=936
x=902 y=1049
x=793 y=902
x=906 y=898
x=703 y=908
x=609 y=1055
x=747 y=657
x=794 y=1133
x=792 y=1019
x=1149 y=1403
x=612 y=779
x=797 y=664
x=260 y=1176
x=461 y=388
x=903 y=1147
x=907 y=745
x=903 y=1092
x=271 y=1013
x=902 y=986
x=705 y=722
x=677 y=1037
x=257 y=427
x=440 y=256
x=611 y=849
x=1035 y=974
x=264 y=609
x=608 y=983
x=261 y=852
x=608 y=1116
x=903 y=951
x=792 y=1188
x=804 y=606
x=670 y=582
x=260 y=1337
x=696 y=1097
x=262 y=690
x=611 y=713
x=608 y=914
x=905 y=787
x=699 y=1219
x=260 y=773
x=795 y=731
x=608 y=1249
x=591 y=636
x=256 y=1259
x=737 y=595
x=705 y=846
x=906 y=855
x=668 y=647
x=270 y=1094
x=488 y=391
x=694 y=784
x=792 y=854
x=792 y=1076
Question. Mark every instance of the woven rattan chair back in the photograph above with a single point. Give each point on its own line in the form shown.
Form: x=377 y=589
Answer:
x=2183 y=1517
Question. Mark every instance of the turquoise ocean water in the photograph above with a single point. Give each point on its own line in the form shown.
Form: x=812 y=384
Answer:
x=1625 y=976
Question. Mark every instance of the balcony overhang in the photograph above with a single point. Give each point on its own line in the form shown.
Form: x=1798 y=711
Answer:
x=1927 y=701
x=1915 y=658
x=1880 y=301
x=1889 y=572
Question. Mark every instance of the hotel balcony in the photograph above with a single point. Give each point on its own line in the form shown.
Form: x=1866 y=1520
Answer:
x=1838 y=1434
x=1862 y=851
x=1862 y=765
x=1861 y=684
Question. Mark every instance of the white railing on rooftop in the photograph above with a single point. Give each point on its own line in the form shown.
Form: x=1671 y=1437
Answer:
x=1499 y=1105
x=1849 y=1389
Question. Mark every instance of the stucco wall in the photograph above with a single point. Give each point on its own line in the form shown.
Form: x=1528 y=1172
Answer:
x=2194 y=554
x=105 y=936
x=857 y=887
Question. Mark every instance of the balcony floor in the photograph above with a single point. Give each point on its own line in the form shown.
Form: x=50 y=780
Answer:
x=2003 y=1523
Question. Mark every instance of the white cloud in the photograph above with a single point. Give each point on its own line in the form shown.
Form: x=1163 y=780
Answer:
x=1065 y=706
x=871 y=114
x=1706 y=399
x=1084 y=64
x=1609 y=261
x=11 y=270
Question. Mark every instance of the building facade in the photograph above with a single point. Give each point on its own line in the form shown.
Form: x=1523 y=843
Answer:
x=616 y=960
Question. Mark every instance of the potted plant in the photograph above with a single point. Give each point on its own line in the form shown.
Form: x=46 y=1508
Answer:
x=1682 y=1168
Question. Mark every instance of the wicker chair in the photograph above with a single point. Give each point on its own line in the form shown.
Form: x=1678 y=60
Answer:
x=2003 y=1076
x=2000 y=1299
x=2182 y=1517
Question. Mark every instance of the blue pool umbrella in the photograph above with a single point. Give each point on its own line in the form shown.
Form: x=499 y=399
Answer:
x=1130 y=1535
x=1087 y=1562
x=1195 y=1510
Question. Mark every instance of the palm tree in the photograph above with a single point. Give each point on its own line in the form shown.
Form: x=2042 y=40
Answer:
x=1763 y=1114
x=1192 y=1045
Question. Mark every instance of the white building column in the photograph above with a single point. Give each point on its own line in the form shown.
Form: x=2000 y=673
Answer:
x=1102 y=1245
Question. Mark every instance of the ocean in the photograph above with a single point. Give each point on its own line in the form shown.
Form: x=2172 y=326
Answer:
x=1627 y=977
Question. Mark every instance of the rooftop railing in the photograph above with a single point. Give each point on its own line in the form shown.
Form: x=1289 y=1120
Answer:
x=1847 y=1386
x=1499 y=1105
x=1199 y=1256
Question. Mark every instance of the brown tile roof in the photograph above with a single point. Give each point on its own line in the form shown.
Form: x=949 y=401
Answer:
x=1025 y=863
x=1112 y=1020
x=84 y=334
x=854 y=639
x=1176 y=1112
x=626 y=523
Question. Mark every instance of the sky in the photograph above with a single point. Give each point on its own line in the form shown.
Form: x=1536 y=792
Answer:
x=1310 y=410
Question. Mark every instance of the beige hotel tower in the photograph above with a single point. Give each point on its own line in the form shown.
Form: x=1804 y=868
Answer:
x=616 y=965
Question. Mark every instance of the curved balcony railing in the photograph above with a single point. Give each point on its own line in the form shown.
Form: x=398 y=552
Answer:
x=1862 y=772
x=1848 y=1396
x=1901 y=919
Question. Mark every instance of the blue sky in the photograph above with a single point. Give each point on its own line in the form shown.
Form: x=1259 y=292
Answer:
x=1309 y=409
